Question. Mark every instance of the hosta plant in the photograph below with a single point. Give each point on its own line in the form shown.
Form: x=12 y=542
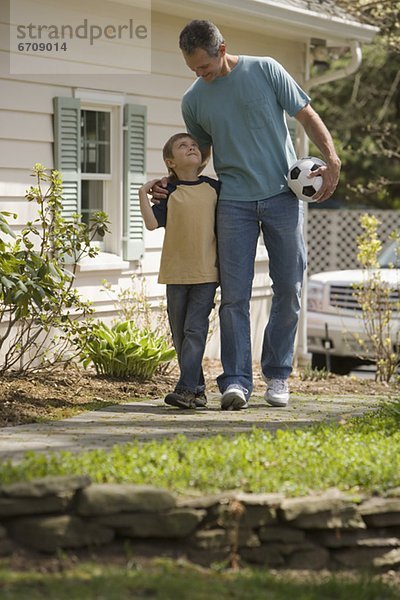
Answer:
x=123 y=350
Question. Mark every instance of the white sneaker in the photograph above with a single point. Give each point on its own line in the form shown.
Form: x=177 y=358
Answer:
x=277 y=393
x=233 y=398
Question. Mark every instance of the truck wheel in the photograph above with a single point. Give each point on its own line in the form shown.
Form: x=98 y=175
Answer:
x=340 y=365
x=318 y=361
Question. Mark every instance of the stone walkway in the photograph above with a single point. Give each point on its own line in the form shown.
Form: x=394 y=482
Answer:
x=152 y=420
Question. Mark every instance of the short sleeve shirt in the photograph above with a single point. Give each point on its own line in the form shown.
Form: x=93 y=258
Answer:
x=242 y=115
x=189 y=253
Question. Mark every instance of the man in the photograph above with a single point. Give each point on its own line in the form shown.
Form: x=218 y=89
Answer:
x=236 y=106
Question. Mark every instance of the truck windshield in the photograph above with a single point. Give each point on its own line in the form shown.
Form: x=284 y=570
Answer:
x=390 y=256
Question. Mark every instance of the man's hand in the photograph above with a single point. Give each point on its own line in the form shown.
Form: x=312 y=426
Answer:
x=330 y=178
x=319 y=134
x=158 y=190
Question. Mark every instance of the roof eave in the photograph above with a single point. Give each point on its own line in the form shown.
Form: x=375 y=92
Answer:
x=260 y=15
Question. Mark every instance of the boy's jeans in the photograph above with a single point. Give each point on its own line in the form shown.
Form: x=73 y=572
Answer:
x=280 y=219
x=189 y=307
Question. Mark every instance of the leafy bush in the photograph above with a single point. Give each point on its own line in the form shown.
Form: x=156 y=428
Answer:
x=38 y=304
x=123 y=350
x=378 y=305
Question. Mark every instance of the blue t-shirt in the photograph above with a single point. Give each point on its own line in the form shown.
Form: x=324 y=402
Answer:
x=242 y=116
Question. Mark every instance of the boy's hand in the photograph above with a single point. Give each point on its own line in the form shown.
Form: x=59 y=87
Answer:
x=147 y=187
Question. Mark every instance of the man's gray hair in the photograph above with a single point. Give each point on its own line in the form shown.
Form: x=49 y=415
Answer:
x=200 y=34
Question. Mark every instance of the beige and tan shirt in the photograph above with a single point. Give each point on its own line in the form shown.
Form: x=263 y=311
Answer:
x=189 y=253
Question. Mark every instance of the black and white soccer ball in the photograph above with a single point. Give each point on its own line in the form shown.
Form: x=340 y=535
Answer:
x=298 y=181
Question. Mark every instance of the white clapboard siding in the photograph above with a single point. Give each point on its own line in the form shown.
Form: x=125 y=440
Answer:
x=13 y=186
x=28 y=96
x=151 y=261
x=25 y=153
x=170 y=114
x=25 y=211
x=154 y=160
x=153 y=240
x=14 y=182
x=4 y=28
x=157 y=135
x=109 y=59
x=28 y=126
x=163 y=59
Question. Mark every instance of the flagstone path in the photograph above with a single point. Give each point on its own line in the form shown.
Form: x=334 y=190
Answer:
x=152 y=420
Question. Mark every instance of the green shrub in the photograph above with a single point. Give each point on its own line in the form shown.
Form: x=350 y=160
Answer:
x=123 y=350
x=378 y=308
x=38 y=303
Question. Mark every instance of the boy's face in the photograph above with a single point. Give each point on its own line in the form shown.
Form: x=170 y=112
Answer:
x=185 y=152
x=205 y=66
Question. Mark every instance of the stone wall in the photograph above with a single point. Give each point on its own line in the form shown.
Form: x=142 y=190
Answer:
x=331 y=530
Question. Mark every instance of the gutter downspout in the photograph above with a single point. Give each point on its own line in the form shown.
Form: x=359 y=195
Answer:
x=352 y=67
x=354 y=64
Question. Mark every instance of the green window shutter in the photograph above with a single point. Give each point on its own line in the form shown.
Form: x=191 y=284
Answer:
x=134 y=177
x=67 y=151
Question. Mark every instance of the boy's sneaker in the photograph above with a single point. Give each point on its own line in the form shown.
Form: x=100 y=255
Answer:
x=233 y=398
x=184 y=399
x=277 y=393
x=200 y=400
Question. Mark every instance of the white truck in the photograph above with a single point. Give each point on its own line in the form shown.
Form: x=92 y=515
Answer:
x=334 y=316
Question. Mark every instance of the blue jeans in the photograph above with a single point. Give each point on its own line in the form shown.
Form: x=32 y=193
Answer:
x=189 y=307
x=280 y=219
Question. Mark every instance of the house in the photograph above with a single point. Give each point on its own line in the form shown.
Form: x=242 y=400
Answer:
x=93 y=88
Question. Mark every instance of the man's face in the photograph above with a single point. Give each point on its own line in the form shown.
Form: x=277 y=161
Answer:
x=205 y=66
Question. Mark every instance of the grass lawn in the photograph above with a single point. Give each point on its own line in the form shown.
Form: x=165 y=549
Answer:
x=361 y=454
x=166 y=580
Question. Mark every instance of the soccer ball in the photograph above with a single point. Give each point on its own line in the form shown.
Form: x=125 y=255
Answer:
x=298 y=181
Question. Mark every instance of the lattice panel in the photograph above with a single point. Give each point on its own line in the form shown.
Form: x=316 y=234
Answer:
x=332 y=236
x=319 y=240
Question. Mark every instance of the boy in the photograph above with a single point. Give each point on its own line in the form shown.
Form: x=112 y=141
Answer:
x=188 y=260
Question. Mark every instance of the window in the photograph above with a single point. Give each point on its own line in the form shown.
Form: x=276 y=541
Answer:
x=95 y=142
x=88 y=141
x=95 y=162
